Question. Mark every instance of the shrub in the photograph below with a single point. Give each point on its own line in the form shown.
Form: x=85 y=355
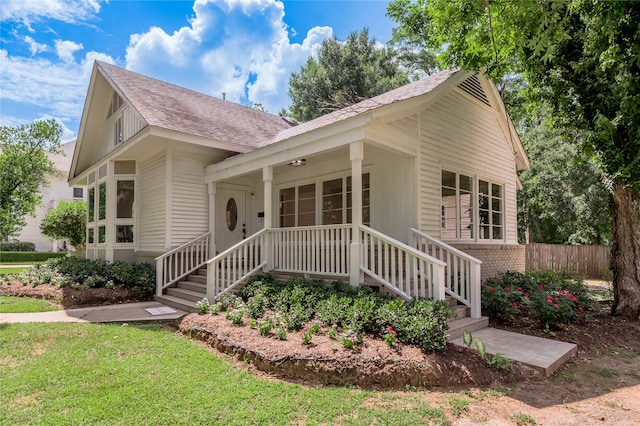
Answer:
x=30 y=256
x=203 y=306
x=17 y=246
x=553 y=298
x=235 y=316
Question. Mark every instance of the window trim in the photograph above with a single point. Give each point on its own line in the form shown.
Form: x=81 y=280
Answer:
x=475 y=207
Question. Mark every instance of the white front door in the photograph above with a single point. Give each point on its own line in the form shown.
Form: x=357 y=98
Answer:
x=231 y=223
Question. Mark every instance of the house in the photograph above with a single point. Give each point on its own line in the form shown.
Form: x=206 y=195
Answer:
x=413 y=191
x=58 y=190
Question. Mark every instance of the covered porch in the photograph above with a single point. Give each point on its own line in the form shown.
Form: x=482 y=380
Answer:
x=347 y=211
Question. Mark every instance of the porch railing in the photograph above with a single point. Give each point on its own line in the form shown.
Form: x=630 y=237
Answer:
x=181 y=261
x=314 y=250
x=401 y=268
x=234 y=265
x=461 y=273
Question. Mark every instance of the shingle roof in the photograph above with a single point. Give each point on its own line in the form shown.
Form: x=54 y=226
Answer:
x=403 y=93
x=172 y=107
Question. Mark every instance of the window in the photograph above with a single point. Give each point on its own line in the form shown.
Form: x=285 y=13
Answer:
x=90 y=235
x=91 y=205
x=490 y=202
x=124 y=233
x=332 y=195
x=366 y=200
x=117 y=131
x=459 y=220
x=124 y=206
x=102 y=201
x=298 y=206
x=77 y=193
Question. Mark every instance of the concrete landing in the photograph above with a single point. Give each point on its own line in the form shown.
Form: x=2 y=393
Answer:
x=545 y=355
x=126 y=312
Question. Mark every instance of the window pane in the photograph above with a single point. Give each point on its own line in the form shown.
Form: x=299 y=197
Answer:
x=497 y=218
x=484 y=217
x=102 y=202
x=124 y=233
x=125 y=189
x=287 y=207
x=231 y=214
x=496 y=204
x=90 y=235
x=466 y=216
x=497 y=233
x=91 y=205
x=306 y=206
x=332 y=202
x=465 y=183
x=448 y=179
x=307 y=191
x=306 y=219
x=287 y=194
x=483 y=187
x=77 y=193
x=332 y=187
x=484 y=232
x=287 y=221
x=102 y=234
x=483 y=201
x=496 y=190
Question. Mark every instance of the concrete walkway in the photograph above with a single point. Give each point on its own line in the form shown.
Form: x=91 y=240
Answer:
x=545 y=355
x=126 y=312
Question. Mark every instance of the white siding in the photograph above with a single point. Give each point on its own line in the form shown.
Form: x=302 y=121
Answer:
x=131 y=123
x=189 y=208
x=152 y=201
x=463 y=136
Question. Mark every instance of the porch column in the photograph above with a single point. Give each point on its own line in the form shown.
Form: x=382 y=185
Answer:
x=212 y=219
x=356 y=150
x=267 y=179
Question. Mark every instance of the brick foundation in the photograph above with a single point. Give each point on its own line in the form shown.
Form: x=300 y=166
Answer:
x=496 y=258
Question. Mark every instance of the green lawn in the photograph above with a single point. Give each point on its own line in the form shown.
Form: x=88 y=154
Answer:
x=12 y=304
x=69 y=374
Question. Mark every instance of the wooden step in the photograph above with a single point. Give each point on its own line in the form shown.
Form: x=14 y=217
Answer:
x=187 y=295
x=193 y=286
x=176 y=302
x=458 y=326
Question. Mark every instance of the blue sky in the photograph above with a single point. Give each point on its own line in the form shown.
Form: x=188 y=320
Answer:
x=245 y=48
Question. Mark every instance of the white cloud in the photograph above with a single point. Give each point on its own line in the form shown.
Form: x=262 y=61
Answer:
x=65 y=49
x=70 y=11
x=56 y=89
x=240 y=47
x=34 y=46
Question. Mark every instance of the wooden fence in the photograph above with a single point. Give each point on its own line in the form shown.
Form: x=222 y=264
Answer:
x=586 y=261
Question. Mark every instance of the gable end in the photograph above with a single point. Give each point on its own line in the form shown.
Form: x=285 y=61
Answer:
x=472 y=87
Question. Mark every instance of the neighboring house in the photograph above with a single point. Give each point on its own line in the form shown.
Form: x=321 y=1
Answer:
x=58 y=190
x=400 y=190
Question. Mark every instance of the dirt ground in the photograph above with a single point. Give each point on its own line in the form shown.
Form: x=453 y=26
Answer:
x=599 y=386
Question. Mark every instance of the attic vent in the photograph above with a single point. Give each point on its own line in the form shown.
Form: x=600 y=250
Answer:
x=473 y=87
x=116 y=103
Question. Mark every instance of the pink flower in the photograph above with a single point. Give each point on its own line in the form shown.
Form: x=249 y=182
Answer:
x=555 y=306
x=495 y=277
x=575 y=299
x=484 y=282
x=519 y=288
x=555 y=299
x=506 y=289
x=540 y=287
x=580 y=309
x=491 y=290
x=526 y=294
x=515 y=303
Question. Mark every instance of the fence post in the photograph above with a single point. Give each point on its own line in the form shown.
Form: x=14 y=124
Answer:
x=475 y=290
x=159 y=277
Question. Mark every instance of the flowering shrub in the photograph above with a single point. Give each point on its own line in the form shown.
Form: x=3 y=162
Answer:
x=235 y=316
x=306 y=335
x=552 y=298
x=351 y=339
x=390 y=336
x=265 y=325
x=203 y=306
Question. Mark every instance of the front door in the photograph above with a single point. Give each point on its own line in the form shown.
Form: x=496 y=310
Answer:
x=231 y=224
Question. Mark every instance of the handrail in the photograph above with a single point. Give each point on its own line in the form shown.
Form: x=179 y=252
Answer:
x=462 y=273
x=399 y=267
x=231 y=267
x=181 y=261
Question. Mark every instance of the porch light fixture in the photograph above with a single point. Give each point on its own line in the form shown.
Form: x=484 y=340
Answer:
x=297 y=163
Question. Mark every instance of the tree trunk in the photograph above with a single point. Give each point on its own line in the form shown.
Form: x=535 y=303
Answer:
x=625 y=253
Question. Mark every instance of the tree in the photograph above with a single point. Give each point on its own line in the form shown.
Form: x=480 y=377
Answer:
x=343 y=74
x=580 y=56
x=24 y=170
x=67 y=221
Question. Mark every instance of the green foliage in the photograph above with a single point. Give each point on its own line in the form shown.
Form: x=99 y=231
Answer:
x=235 y=315
x=419 y=322
x=552 y=298
x=67 y=221
x=344 y=73
x=500 y=362
x=17 y=246
x=83 y=273
x=203 y=306
x=24 y=170
x=29 y=256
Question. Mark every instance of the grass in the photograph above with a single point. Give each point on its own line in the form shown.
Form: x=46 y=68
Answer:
x=61 y=373
x=13 y=304
x=7 y=271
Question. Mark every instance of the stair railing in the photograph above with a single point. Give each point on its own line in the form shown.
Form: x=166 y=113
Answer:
x=462 y=271
x=181 y=261
x=399 y=267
